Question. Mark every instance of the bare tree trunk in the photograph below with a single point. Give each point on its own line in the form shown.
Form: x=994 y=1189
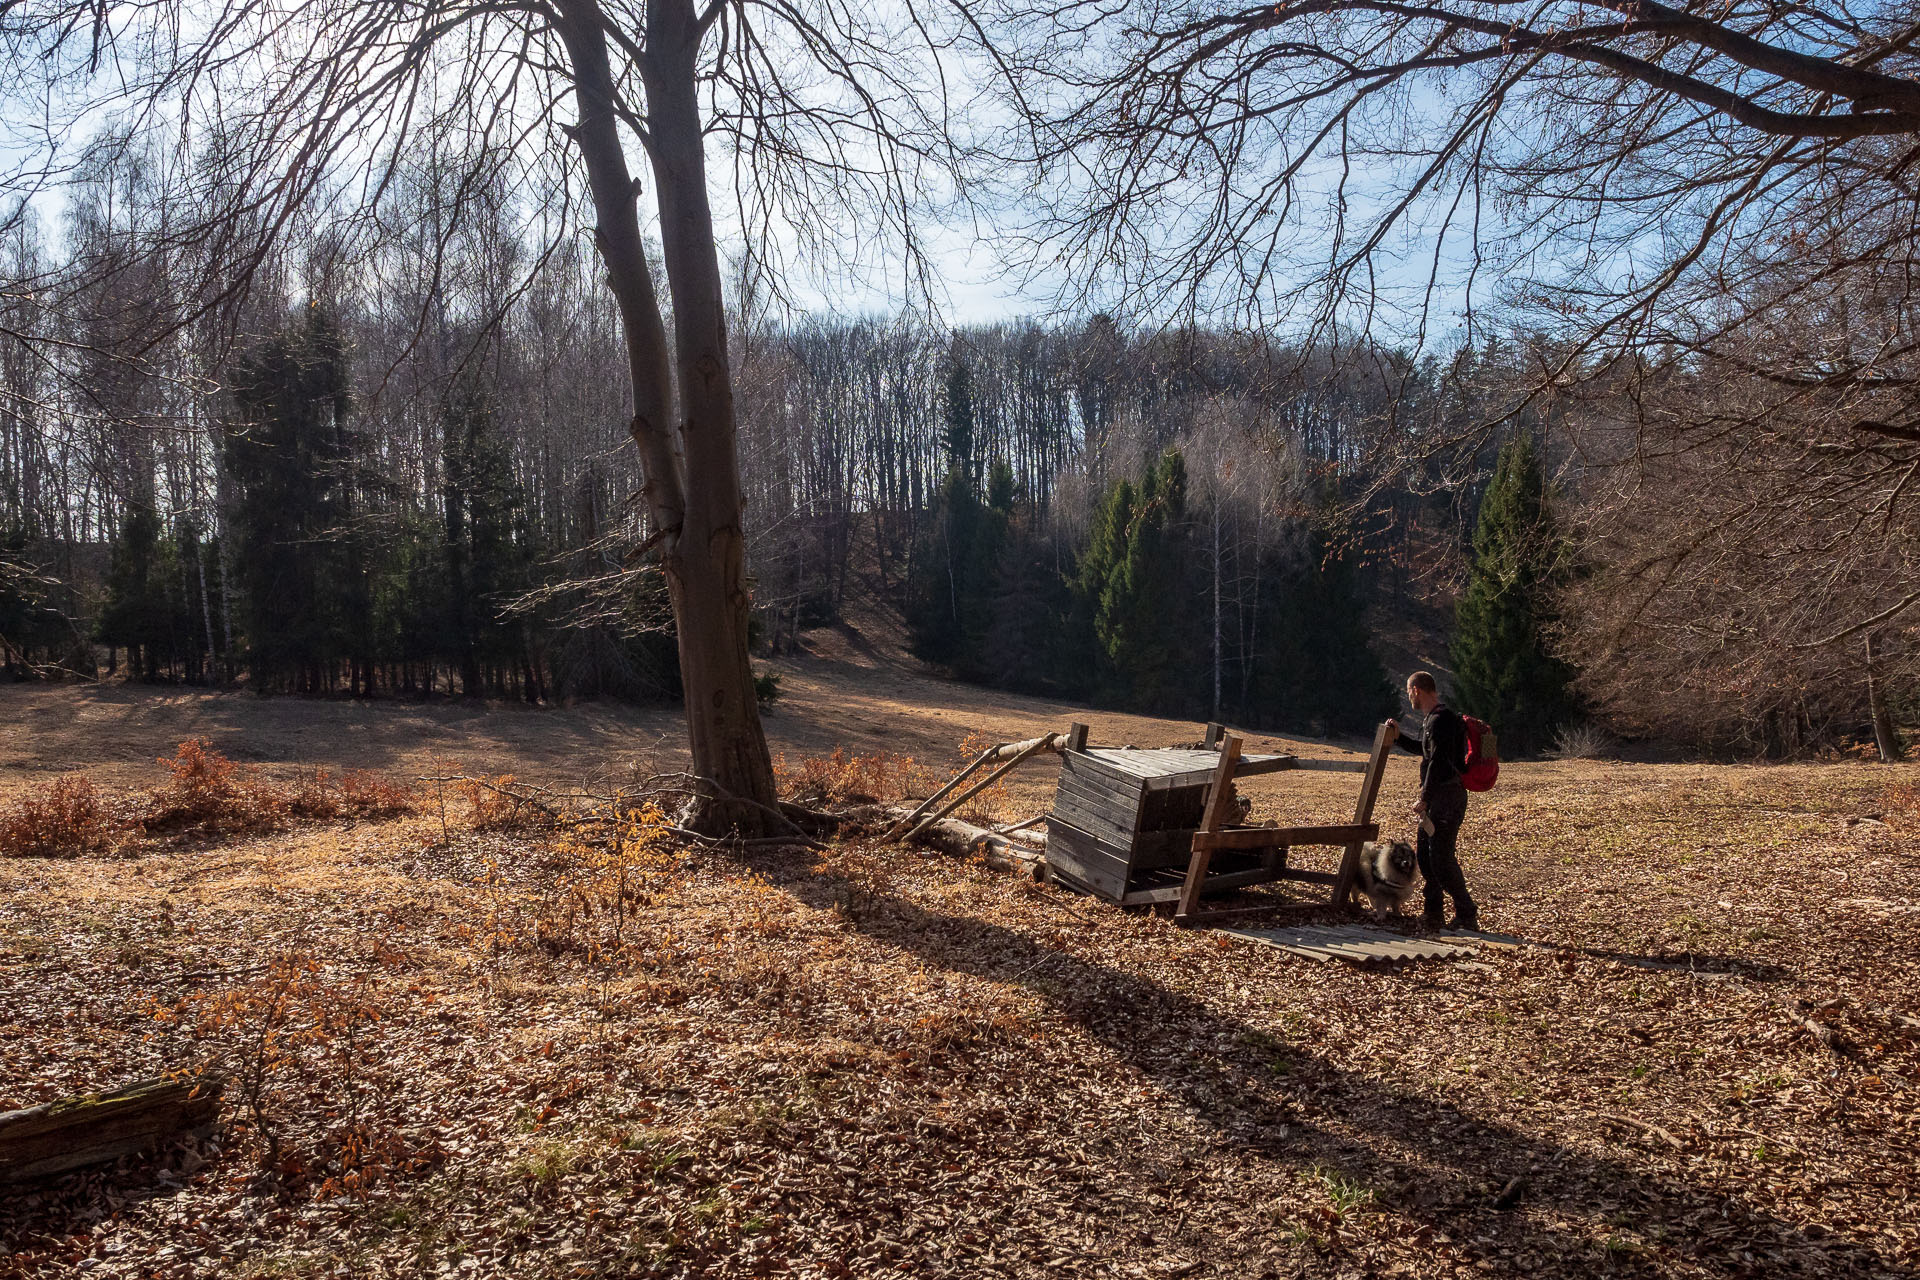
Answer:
x=1885 y=737
x=692 y=483
x=206 y=611
x=706 y=563
x=1216 y=606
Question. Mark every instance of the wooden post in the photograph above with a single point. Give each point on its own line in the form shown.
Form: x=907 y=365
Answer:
x=1042 y=743
x=1215 y=814
x=1212 y=741
x=1363 y=813
x=899 y=828
x=1076 y=736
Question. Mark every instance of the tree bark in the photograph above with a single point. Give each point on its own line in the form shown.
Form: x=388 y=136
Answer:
x=1885 y=737
x=692 y=484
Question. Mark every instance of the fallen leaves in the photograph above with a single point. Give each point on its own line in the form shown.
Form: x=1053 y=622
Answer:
x=878 y=1062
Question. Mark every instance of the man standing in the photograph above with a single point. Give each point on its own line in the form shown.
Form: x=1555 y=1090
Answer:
x=1443 y=801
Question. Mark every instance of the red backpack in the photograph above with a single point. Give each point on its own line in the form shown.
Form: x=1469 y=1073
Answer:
x=1483 y=756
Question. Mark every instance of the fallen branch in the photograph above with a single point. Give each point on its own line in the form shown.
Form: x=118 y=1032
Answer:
x=1644 y=1127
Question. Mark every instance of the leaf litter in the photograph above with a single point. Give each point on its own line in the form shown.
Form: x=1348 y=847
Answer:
x=520 y=1051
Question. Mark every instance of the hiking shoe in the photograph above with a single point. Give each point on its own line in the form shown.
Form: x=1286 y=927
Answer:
x=1432 y=922
x=1468 y=923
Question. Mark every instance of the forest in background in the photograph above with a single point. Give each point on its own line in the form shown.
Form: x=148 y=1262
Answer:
x=406 y=470
x=397 y=463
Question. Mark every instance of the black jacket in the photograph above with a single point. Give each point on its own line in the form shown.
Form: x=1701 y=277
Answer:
x=1443 y=752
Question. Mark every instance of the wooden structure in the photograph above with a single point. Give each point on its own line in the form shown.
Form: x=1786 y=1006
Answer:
x=924 y=815
x=1161 y=826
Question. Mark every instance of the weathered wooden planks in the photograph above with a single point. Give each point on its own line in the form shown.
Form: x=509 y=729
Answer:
x=1161 y=768
x=1358 y=944
x=1085 y=861
x=98 y=1127
x=1267 y=837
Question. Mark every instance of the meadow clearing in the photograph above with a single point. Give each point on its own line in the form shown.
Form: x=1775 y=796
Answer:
x=463 y=1041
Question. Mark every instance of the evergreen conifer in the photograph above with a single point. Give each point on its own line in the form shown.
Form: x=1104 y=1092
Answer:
x=1139 y=621
x=1504 y=671
x=1319 y=674
x=285 y=456
x=134 y=616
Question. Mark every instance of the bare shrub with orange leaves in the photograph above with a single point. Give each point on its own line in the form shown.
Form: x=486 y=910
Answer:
x=206 y=794
x=607 y=874
x=299 y=1047
x=63 y=820
x=209 y=793
x=319 y=796
x=494 y=805
x=847 y=778
x=364 y=794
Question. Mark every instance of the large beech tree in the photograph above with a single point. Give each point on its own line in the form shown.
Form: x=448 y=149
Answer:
x=265 y=113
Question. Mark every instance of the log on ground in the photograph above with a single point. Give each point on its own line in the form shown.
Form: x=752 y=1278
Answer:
x=97 y=1127
x=964 y=840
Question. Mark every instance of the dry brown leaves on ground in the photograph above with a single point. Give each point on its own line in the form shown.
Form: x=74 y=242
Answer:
x=588 y=1052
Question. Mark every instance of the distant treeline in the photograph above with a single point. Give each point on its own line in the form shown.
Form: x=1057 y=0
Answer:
x=400 y=466
x=1038 y=537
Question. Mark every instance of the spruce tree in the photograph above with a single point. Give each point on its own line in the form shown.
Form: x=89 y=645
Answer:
x=957 y=560
x=26 y=628
x=960 y=419
x=1504 y=671
x=1320 y=675
x=134 y=616
x=1099 y=564
x=284 y=454
x=1142 y=610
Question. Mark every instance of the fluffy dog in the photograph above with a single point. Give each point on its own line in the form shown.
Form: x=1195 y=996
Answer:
x=1387 y=875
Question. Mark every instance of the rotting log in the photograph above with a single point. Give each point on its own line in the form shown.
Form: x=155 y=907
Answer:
x=97 y=1127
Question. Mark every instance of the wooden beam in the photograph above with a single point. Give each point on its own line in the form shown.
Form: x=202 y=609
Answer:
x=1212 y=741
x=1267 y=837
x=901 y=827
x=98 y=1127
x=1076 y=736
x=1042 y=743
x=1333 y=766
x=1215 y=815
x=1018 y=750
x=1383 y=740
x=1215 y=884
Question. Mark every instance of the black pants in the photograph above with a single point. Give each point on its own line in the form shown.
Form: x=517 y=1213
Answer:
x=1439 y=859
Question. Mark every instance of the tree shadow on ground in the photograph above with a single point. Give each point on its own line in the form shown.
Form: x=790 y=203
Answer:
x=1277 y=1099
